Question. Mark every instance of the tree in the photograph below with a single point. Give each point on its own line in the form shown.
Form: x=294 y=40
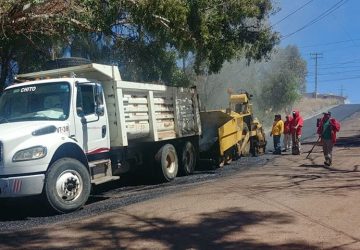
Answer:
x=285 y=80
x=214 y=31
x=281 y=91
x=37 y=24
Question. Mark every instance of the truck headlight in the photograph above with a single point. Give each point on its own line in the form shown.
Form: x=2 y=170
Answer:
x=30 y=154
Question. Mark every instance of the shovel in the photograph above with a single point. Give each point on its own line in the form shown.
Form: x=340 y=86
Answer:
x=312 y=148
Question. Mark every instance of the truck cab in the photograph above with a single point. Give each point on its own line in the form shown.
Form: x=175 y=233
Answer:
x=42 y=121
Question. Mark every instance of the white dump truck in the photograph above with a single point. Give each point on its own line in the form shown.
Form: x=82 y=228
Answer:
x=64 y=130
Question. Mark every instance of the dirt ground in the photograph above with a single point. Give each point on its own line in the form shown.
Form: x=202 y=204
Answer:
x=290 y=203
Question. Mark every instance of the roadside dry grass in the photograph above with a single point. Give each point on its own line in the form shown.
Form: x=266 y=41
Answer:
x=309 y=106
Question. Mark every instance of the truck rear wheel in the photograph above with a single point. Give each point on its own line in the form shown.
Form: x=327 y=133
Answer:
x=167 y=162
x=188 y=159
x=67 y=185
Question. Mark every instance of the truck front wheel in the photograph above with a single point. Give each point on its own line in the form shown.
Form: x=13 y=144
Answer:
x=167 y=162
x=67 y=185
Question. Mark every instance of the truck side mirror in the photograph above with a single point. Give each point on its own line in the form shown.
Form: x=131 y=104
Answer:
x=83 y=120
x=100 y=110
x=80 y=112
x=99 y=101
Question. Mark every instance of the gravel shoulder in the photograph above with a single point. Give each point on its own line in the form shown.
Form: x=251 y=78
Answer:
x=289 y=203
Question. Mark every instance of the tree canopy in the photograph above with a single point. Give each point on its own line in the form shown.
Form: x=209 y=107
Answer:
x=285 y=80
x=141 y=35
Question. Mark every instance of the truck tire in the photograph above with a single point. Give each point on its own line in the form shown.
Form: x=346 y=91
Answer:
x=167 y=162
x=187 y=159
x=67 y=185
x=254 y=146
x=246 y=150
x=66 y=62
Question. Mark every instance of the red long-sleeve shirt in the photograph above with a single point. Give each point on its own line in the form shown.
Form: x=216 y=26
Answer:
x=297 y=123
x=334 y=125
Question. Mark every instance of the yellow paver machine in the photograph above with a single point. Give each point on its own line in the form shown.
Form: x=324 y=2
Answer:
x=231 y=133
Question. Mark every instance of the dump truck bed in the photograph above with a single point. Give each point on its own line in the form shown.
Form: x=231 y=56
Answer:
x=150 y=112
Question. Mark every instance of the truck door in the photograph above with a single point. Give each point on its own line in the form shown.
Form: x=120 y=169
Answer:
x=92 y=127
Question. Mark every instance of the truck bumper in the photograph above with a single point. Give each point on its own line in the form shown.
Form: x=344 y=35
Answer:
x=21 y=185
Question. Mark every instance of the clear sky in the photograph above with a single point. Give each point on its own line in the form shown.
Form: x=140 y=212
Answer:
x=329 y=27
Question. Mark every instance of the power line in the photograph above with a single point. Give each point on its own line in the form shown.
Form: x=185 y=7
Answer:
x=336 y=72
x=341 y=67
x=342 y=48
x=318 y=18
x=292 y=13
x=329 y=43
x=355 y=61
x=341 y=79
x=346 y=31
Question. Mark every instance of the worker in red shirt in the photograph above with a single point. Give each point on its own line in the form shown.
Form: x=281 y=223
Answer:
x=327 y=132
x=287 y=133
x=297 y=123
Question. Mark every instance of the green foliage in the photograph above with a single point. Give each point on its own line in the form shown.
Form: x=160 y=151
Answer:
x=146 y=37
x=280 y=91
x=224 y=29
x=181 y=79
x=146 y=62
x=30 y=28
x=285 y=80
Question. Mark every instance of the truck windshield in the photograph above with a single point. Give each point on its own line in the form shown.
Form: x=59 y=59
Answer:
x=49 y=101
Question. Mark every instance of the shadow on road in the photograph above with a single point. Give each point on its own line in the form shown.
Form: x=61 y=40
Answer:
x=212 y=231
x=23 y=208
x=131 y=188
x=349 y=141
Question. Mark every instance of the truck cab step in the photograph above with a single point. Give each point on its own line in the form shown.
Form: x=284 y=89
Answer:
x=98 y=162
x=104 y=179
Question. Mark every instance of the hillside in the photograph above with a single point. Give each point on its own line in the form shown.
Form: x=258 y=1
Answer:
x=309 y=106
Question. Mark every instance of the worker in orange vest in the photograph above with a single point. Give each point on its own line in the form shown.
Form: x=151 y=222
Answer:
x=277 y=130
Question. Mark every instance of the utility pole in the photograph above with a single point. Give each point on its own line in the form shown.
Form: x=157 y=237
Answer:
x=342 y=90
x=316 y=56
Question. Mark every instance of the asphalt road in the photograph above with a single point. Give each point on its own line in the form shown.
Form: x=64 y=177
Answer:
x=28 y=213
